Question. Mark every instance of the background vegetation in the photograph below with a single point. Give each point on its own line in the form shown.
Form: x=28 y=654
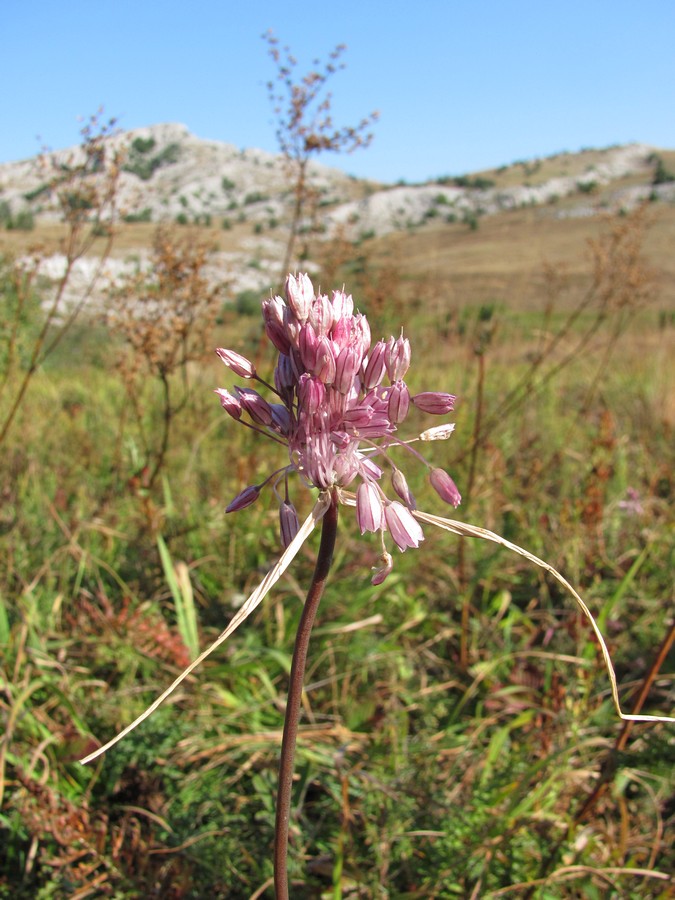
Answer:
x=459 y=737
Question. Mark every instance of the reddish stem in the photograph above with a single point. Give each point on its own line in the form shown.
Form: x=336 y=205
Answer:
x=293 y=703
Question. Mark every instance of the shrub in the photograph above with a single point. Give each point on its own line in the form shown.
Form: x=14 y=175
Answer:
x=470 y=218
x=143 y=145
x=22 y=221
x=227 y=184
x=144 y=167
x=478 y=183
x=247 y=303
x=37 y=192
x=145 y=215
x=661 y=174
x=255 y=197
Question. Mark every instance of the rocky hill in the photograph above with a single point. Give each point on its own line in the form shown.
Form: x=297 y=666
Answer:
x=169 y=175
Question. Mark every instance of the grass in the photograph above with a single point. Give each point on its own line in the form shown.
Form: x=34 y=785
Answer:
x=441 y=754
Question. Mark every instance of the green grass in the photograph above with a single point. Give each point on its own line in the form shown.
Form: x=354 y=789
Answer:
x=439 y=756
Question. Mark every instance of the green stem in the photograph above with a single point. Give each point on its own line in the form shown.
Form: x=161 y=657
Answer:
x=293 y=703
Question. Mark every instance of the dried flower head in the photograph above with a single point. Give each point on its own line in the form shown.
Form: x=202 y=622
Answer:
x=340 y=402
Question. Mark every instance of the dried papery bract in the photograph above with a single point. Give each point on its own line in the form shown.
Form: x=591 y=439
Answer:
x=164 y=314
x=83 y=188
x=305 y=127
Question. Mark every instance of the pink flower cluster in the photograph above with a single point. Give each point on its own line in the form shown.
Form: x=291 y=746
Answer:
x=339 y=404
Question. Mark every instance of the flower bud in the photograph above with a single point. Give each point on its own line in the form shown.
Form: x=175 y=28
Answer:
x=400 y=485
x=361 y=335
x=256 y=406
x=238 y=363
x=229 y=403
x=374 y=372
x=397 y=358
x=324 y=367
x=288 y=523
x=346 y=367
x=300 y=294
x=321 y=315
x=445 y=487
x=434 y=402
x=311 y=395
x=281 y=418
x=307 y=345
x=273 y=317
x=398 y=402
x=248 y=496
x=343 y=305
x=284 y=378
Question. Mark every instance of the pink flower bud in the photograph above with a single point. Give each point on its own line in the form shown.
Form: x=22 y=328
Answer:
x=307 y=345
x=256 y=406
x=288 y=523
x=311 y=395
x=324 y=368
x=445 y=487
x=369 y=511
x=397 y=358
x=400 y=485
x=374 y=372
x=300 y=294
x=359 y=416
x=346 y=367
x=343 y=305
x=321 y=316
x=281 y=418
x=341 y=332
x=434 y=402
x=238 y=363
x=248 y=496
x=273 y=317
x=398 y=402
x=229 y=403
x=361 y=335
x=284 y=378
x=405 y=530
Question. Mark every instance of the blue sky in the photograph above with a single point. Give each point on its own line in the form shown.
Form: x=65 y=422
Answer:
x=459 y=86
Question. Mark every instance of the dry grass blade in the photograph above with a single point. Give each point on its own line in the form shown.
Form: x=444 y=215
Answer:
x=243 y=613
x=464 y=530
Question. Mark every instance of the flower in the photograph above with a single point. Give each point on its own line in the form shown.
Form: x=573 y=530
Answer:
x=341 y=400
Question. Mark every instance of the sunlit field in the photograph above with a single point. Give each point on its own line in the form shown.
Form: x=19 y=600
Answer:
x=458 y=736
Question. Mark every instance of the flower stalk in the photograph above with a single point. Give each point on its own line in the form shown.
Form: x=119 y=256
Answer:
x=293 y=703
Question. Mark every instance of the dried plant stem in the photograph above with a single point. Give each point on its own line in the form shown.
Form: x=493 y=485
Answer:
x=293 y=703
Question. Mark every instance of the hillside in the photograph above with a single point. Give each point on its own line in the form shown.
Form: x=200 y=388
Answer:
x=497 y=225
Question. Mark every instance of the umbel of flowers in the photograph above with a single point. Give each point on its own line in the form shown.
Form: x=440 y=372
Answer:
x=338 y=403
